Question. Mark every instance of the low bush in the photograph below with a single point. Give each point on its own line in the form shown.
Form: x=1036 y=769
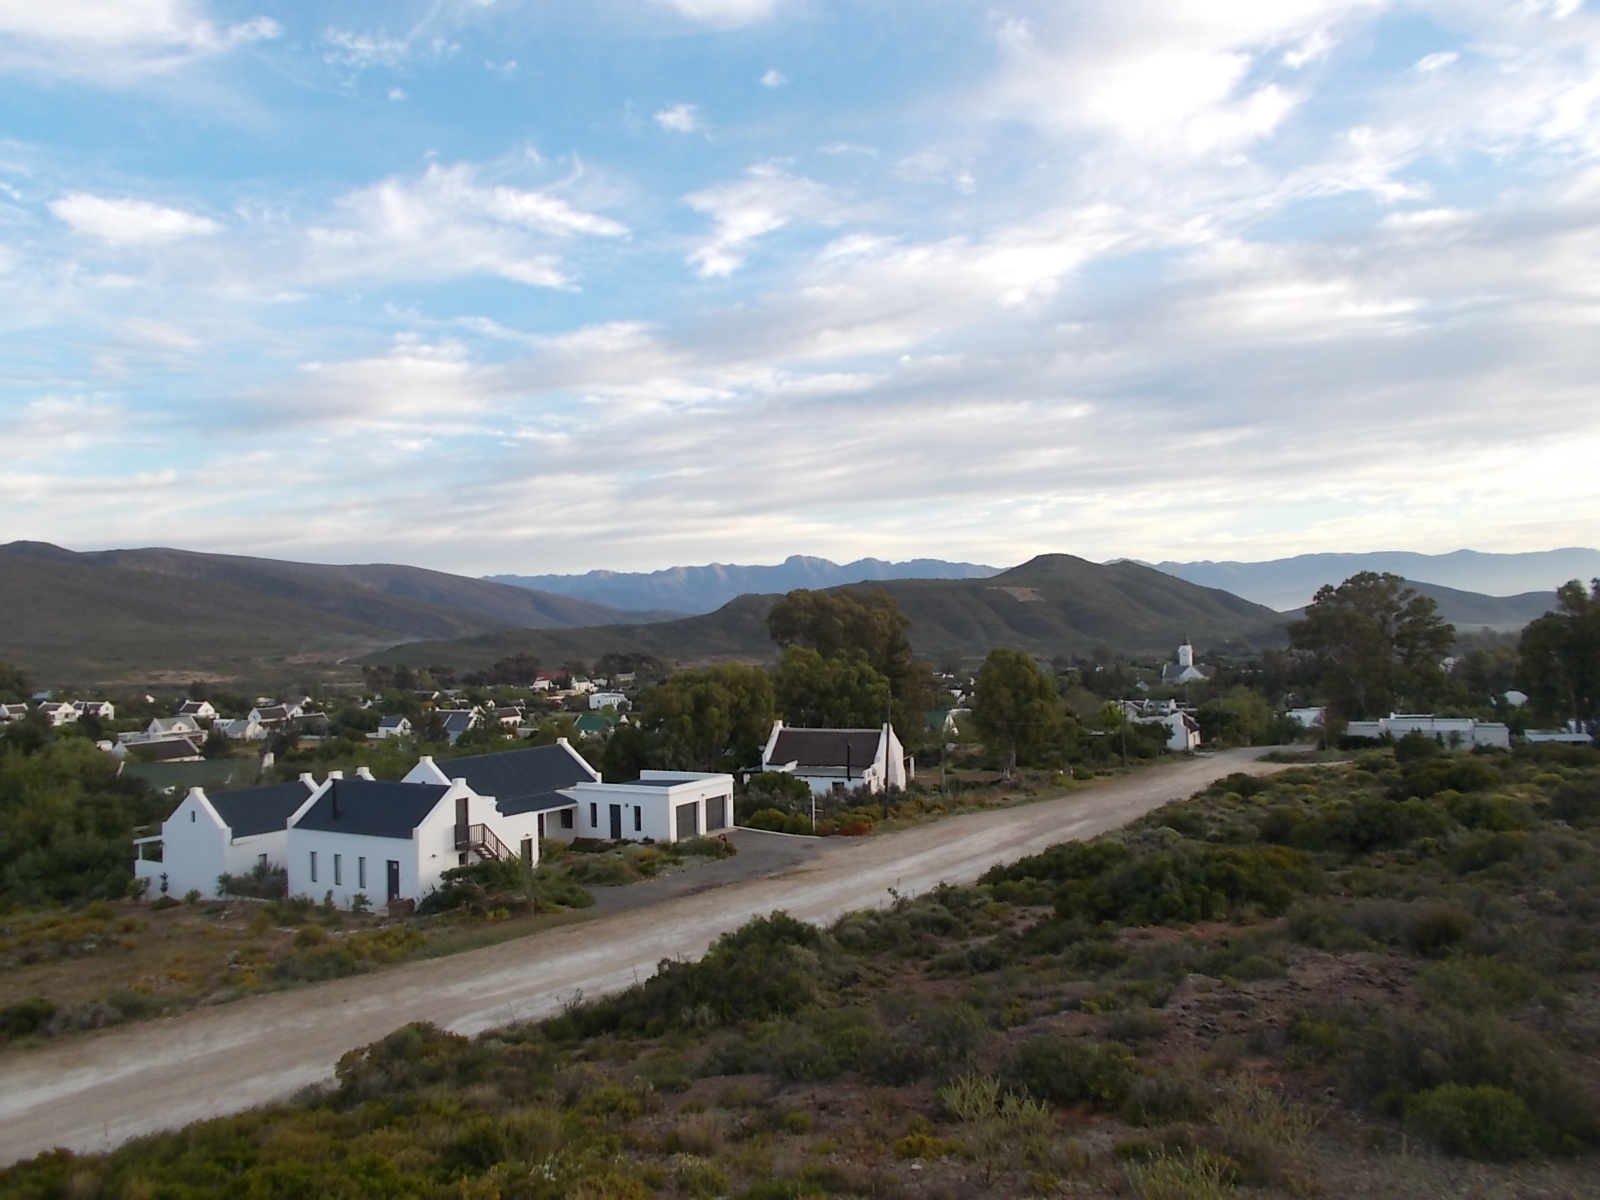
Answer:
x=1065 y=1070
x=1484 y=1122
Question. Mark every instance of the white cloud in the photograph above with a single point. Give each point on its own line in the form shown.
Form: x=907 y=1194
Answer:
x=765 y=200
x=680 y=118
x=361 y=50
x=722 y=13
x=774 y=78
x=129 y=222
x=116 y=39
x=1436 y=62
x=449 y=223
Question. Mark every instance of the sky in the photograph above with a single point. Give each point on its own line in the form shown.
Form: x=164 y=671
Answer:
x=499 y=286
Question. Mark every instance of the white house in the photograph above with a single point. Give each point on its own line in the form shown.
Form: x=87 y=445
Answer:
x=837 y=760
x=1183 y=734
x=13 y=712
x=269 y=714
x=229 y=833
x=198 y=710
x=599 y=700
x=664 y=806
x=1573 y=735
x=458 y=721
x=1453 y=732
x=103 y=709
x=170 y=727
x=241 y=730
x=392 y=727
x=531 y=781
x=1185 y=670
x=1308 y=718
x=58 y=713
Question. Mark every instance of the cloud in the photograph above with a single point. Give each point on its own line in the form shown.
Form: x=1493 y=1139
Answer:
x=680 y=118
x=116 y=40
x=722 y=13
x=1436 y=62
x=448 y=223
x=129 y=222
x=362 y=50
x=764 y=201
x=774 y=78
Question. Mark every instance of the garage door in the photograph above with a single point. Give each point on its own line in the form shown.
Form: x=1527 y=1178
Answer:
x=717 y=813
x=687 y=823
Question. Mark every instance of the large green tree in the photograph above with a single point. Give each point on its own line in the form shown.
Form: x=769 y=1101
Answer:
x=865 y=623
x=842 y=691
x=705 y=719
x=1016 y=707
x=1559 y=655
x=1378 y=644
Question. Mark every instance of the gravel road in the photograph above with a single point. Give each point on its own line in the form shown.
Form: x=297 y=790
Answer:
x=93 y=1093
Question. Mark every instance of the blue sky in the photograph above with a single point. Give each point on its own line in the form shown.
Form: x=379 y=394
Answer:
x=529 y=287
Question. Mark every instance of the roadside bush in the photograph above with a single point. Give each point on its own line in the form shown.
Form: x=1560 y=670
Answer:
x=777 y=821
x=1458 y=774
x=1064 y=1070
x=1576 y=801
x=1189 y=883
x=26 y=1017
x=1484 y=1122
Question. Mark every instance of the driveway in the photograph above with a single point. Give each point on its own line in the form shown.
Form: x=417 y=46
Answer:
x=95 y=1092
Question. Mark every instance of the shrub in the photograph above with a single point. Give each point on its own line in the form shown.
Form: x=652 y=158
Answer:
x=264 y=882
x=26 y=1017
x=1436 y=929
x=1440 y=774
x=1577 y=801
x=1484 y=1122
x=776 y=821
x=1189 y=883
x=1065 y=1070
x=698 y=1177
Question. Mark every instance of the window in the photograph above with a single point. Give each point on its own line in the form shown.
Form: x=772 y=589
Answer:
x=261 y=861
x=638 y=818
x=338 y=870
x=313 y=866
x=594 y=816
x=191 y=816
x=361 y=873
x=566 y=818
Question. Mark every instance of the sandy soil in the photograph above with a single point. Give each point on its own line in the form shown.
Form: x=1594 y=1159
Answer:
x=95 y=1092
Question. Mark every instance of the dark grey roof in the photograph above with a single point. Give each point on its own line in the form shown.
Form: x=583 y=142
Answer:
x=457 y=721
x=373 y=808
x=826 y=747
x=168 y=750
x=542 y=802
x=514 y=777
x=259 y=810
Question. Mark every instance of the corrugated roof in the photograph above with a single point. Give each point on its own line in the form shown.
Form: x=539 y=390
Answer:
x=259 y=810
x=827 y=747
x=374 y=808
x=518 y=777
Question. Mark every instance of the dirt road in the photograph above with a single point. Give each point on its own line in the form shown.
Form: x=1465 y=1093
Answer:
x=96 y=1092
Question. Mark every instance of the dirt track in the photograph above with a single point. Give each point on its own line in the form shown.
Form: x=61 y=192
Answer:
x=96 y=1092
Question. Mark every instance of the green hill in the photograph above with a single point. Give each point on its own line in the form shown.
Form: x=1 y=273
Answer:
x=1053 y=604
x=147 y=616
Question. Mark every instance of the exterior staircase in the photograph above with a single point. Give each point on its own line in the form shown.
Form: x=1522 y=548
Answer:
x=481 y=840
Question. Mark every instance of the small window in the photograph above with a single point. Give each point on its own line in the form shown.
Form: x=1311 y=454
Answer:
x=338 y=870
x=313 y=866
x=261 y=861
x=566 y=818
x=361 y=873
x=594 y=816
x=191 y=816
x=638 y=818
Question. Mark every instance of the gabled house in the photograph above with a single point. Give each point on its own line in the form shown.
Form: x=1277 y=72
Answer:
x=456 y=722
x=170 y=727
x=229 y=833
x=531 y=781
x=13 y=712
x=599 y=700
x=241 y=730
x=269 y=715
x=1183 y=732
x=58 y=712
x=103 y=710
x=838 y=760
x=392 y=727
x=198 y=710
x=1185 y=670
x=162 y=750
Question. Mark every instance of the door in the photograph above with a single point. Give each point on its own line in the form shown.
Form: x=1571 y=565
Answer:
x=687 y=815
x=463 y=819
x=716 y=813
x=616 y=822
x=394 y=879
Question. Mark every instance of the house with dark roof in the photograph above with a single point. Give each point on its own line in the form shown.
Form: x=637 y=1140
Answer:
x=394 y=841
x=228 y=833
x=531 y=780
x=199 y=710
x=1186 y=670
x=838 y=760
x=457 y=721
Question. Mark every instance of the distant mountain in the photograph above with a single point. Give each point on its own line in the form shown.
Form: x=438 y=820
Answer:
x=1053 y=604
x=705 y=589
x=142 y=615
x=1470 y=612
x=1289 y=583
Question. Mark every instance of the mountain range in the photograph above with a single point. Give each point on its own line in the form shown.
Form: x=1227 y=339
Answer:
x=1289 y=583
x=139 y=615
x=695 y=590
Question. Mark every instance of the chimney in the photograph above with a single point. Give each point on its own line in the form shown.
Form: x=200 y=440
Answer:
x=364 y=773
x=310 y=780
x=335 y=774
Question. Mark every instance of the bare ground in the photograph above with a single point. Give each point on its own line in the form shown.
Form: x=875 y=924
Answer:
x=93 y=1093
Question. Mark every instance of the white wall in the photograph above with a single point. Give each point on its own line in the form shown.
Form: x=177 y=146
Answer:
x=648 y=811
x=193 y=849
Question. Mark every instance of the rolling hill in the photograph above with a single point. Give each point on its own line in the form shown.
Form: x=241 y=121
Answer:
x=1050 y=605
x=1471 y=612
x=696 y=590
x=136 y=616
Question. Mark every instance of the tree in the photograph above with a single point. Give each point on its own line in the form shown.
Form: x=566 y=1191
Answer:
x=866 y=623
x=707 y=717
x=1015 y=706
x=1559 y=655
x=842 y=691
x=1376 y=642
x=15 y=686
